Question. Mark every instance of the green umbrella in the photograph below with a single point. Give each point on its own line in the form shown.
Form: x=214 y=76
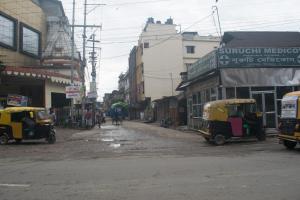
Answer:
x=119 y=104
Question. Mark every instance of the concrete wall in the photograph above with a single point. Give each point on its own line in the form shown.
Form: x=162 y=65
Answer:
x=27 y=12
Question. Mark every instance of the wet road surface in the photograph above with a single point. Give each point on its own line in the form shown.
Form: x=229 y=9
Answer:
x=141 y=161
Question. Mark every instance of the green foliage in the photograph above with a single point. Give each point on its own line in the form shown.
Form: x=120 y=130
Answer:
x=117 y=100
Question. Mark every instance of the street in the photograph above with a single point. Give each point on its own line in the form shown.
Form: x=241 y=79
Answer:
x=143 y=161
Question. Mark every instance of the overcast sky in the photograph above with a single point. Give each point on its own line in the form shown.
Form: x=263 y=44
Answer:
x=123 y=21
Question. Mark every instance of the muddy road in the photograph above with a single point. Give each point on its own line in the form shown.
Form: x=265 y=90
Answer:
x=141 y=161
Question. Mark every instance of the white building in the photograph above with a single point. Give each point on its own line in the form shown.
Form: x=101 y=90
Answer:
x=163 y=53
x=196 y=46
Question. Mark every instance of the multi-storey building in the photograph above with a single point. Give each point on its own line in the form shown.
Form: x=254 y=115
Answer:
x=35 y=49
x=162 y=54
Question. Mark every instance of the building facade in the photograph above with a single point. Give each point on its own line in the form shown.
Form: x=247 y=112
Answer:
x=35 y=52
x=162 y=54
x=259 y=65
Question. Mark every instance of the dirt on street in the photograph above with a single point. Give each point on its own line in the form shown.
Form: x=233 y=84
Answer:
x=129 y=139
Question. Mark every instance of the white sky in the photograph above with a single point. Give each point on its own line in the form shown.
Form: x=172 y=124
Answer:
x=123 y=21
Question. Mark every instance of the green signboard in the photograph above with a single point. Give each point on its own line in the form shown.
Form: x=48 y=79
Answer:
x=203 y=65
x=259 y=57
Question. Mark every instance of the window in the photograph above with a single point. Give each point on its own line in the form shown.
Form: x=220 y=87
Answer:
x=213 y=94
x=146 y=45
x=190 y=49
x=30 y=41
x=8 y=33
x=207 y=95
x=242 y=92
x=230 y=93
x=188 y=65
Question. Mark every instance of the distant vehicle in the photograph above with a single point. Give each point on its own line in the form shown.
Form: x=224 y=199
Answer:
x=25 y=123
x=224 y=120
x=289 y=125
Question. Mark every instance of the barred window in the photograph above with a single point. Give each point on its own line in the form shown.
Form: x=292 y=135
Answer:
x=8 y=35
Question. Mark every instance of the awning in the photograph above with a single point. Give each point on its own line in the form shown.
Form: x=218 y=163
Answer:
x=247 y=77
x=39 y=74
x=187 y=83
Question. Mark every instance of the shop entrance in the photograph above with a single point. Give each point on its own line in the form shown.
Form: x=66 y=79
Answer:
x=266 y=103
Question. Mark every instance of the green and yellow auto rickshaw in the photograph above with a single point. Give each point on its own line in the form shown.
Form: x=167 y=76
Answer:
x=224 y=120
x=25 y=123
x=289 y=125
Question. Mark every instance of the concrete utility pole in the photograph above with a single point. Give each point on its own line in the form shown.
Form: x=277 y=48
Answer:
x=72 y=59
x=84 y=65
x=84 y=26
x=172 y=88
x=93 y=58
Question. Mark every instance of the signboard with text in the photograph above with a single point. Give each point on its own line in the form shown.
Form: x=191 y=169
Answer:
x=259 y=57
x=73 y=92
x=16 y=100
x=203 y=65
x=92 y=95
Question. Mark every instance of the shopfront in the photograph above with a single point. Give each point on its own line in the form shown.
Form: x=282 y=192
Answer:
x=264 y=74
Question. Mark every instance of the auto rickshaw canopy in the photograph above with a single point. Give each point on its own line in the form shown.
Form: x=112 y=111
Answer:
x=296 y=93
x=5 y=114
x=20 y=109
x=218 y=110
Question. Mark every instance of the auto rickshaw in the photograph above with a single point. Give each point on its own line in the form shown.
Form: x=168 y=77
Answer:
x=25 y=123
x=225 y=120
x=289 y=124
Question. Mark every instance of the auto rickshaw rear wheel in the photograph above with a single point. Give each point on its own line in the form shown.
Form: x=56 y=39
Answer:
x=3 y=139
x=219 y=139
x=289 y=144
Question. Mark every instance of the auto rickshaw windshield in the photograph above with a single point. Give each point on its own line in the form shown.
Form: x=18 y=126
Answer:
x=241 y=109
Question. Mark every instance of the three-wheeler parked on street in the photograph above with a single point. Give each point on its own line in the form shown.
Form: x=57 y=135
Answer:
x=225 y=120
x=25 y=123
x=289 y=125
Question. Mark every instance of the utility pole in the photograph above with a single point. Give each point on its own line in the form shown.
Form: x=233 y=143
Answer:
x=84 y=64
x=84 y=26
x=93 y=57
x=171 y=76
x=215 y=8
x=72 y=60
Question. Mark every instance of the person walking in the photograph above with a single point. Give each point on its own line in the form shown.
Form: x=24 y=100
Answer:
x=99 y=118
x=52 y=116
x=88 y=119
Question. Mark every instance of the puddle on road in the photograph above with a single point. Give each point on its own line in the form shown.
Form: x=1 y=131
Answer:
x=107 y=140
x=115 y=145
x=109 y=127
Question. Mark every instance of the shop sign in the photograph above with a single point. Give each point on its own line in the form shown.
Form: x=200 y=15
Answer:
x=16 y=100
x=289 y=107
x=93 y=86
x=92 y=95
x=259 y=57
x=203 y=65
x=73 y=92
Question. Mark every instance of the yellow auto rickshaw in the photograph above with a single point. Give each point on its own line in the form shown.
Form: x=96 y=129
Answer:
x=229 y=119
x=25 y=123
x=289 y=125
